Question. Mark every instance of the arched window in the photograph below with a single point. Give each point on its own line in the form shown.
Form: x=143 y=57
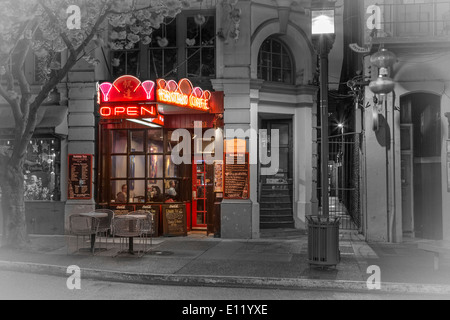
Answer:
x=274 y=62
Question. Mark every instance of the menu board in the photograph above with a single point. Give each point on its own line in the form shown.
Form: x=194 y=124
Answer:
x=80 y=176
x=236 y=176
x=154 y=211
x=174 y=220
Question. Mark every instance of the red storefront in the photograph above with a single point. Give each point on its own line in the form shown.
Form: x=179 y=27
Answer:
x=135 y=169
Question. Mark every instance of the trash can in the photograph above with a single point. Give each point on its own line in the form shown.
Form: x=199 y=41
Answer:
x=323 y=241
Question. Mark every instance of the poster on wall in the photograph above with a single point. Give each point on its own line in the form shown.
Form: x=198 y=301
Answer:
x=80 y=176
x=218 y=176
x=236 y=176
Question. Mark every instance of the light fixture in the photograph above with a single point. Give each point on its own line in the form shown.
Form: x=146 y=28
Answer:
x=145 y=123
x=323 y=21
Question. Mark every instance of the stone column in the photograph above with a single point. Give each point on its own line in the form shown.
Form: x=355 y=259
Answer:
x=81 y=127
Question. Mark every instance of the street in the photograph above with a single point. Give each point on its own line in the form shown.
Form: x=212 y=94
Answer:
x=24 y=286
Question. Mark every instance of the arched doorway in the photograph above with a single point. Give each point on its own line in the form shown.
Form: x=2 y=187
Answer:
x=421 y=143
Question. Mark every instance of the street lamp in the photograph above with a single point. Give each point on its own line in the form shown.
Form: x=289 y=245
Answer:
x=342 y=153
x=323 y=32
x=323 y=231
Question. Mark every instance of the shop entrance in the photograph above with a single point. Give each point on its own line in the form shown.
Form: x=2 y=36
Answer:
x=421 y=165
x=199 y=187
x=276 y=192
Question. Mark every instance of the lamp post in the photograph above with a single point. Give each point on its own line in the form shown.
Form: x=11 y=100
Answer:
x=323 y=32
x=323 y=231
x=341 y=126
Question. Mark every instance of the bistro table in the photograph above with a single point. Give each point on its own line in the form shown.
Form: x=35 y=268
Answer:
x=95 y=215
x=131 y=217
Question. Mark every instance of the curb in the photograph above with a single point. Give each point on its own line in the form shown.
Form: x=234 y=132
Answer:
x=226 y=281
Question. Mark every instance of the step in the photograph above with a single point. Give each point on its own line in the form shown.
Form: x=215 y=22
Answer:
x=282 y=233
x=275 y=210
x=276 y=218
x=277 y=225
x=275 y=205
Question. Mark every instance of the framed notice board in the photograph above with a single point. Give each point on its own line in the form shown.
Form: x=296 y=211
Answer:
x=80 y=176
x=174 y=220
x=236 y=176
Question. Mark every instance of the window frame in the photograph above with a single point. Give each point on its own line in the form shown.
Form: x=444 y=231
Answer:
x=181 y=47
x=284 y=51
x=146 y=178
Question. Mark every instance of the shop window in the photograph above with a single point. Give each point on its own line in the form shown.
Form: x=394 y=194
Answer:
x=119 y=190
x=155 y=169
x=155 y=141
x=119 y=166
x=119 y=141
x=137 y=141
x=42 y=168
x=274 y=62
x=145 y=172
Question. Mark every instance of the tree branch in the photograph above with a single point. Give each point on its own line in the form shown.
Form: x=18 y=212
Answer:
x=63 y=35
x=71 y=61
x=12 y=102
x=21 y=78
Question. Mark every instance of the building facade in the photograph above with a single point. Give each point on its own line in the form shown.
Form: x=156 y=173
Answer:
x=407 y=134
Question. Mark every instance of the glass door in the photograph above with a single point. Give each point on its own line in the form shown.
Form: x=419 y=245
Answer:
x=199 y=207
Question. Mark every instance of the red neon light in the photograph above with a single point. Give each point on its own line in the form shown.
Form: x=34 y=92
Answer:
x=158 y=120
x=128 y=111
x=182 y=94
x=126 y=89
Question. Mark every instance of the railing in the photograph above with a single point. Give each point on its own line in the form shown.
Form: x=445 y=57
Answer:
x=414 y=18
x=344 y=176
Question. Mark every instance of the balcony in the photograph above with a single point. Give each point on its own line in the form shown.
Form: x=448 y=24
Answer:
x=405 y=22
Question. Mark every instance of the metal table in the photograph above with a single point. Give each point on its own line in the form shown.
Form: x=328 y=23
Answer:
x=131 y=217
x=96 y=215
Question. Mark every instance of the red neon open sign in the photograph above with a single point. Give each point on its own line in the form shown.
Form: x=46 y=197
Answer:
x=128 y=111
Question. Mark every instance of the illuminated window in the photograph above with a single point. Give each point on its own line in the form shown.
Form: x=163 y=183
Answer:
x=274 y=62
x=141 y=169
x=42 y=168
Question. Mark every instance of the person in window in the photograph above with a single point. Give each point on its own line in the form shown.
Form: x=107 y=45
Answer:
x=154 y=193
x=122 y=196
x=171 y=191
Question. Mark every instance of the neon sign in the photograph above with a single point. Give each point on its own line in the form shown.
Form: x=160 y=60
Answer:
x=128 y=111
x=129 y=98
x=126 y=89
x=182 y=94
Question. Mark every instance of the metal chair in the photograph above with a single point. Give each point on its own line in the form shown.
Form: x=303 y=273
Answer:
x=105 y=224
x=126 y=228
x=83 y=226
x=147 y=227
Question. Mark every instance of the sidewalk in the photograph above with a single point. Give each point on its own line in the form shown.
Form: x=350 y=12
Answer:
x=260 y=263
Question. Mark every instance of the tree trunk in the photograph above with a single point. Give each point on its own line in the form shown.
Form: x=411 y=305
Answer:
x=14 y=233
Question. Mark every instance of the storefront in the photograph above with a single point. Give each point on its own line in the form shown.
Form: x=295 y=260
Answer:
x=135 y=144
